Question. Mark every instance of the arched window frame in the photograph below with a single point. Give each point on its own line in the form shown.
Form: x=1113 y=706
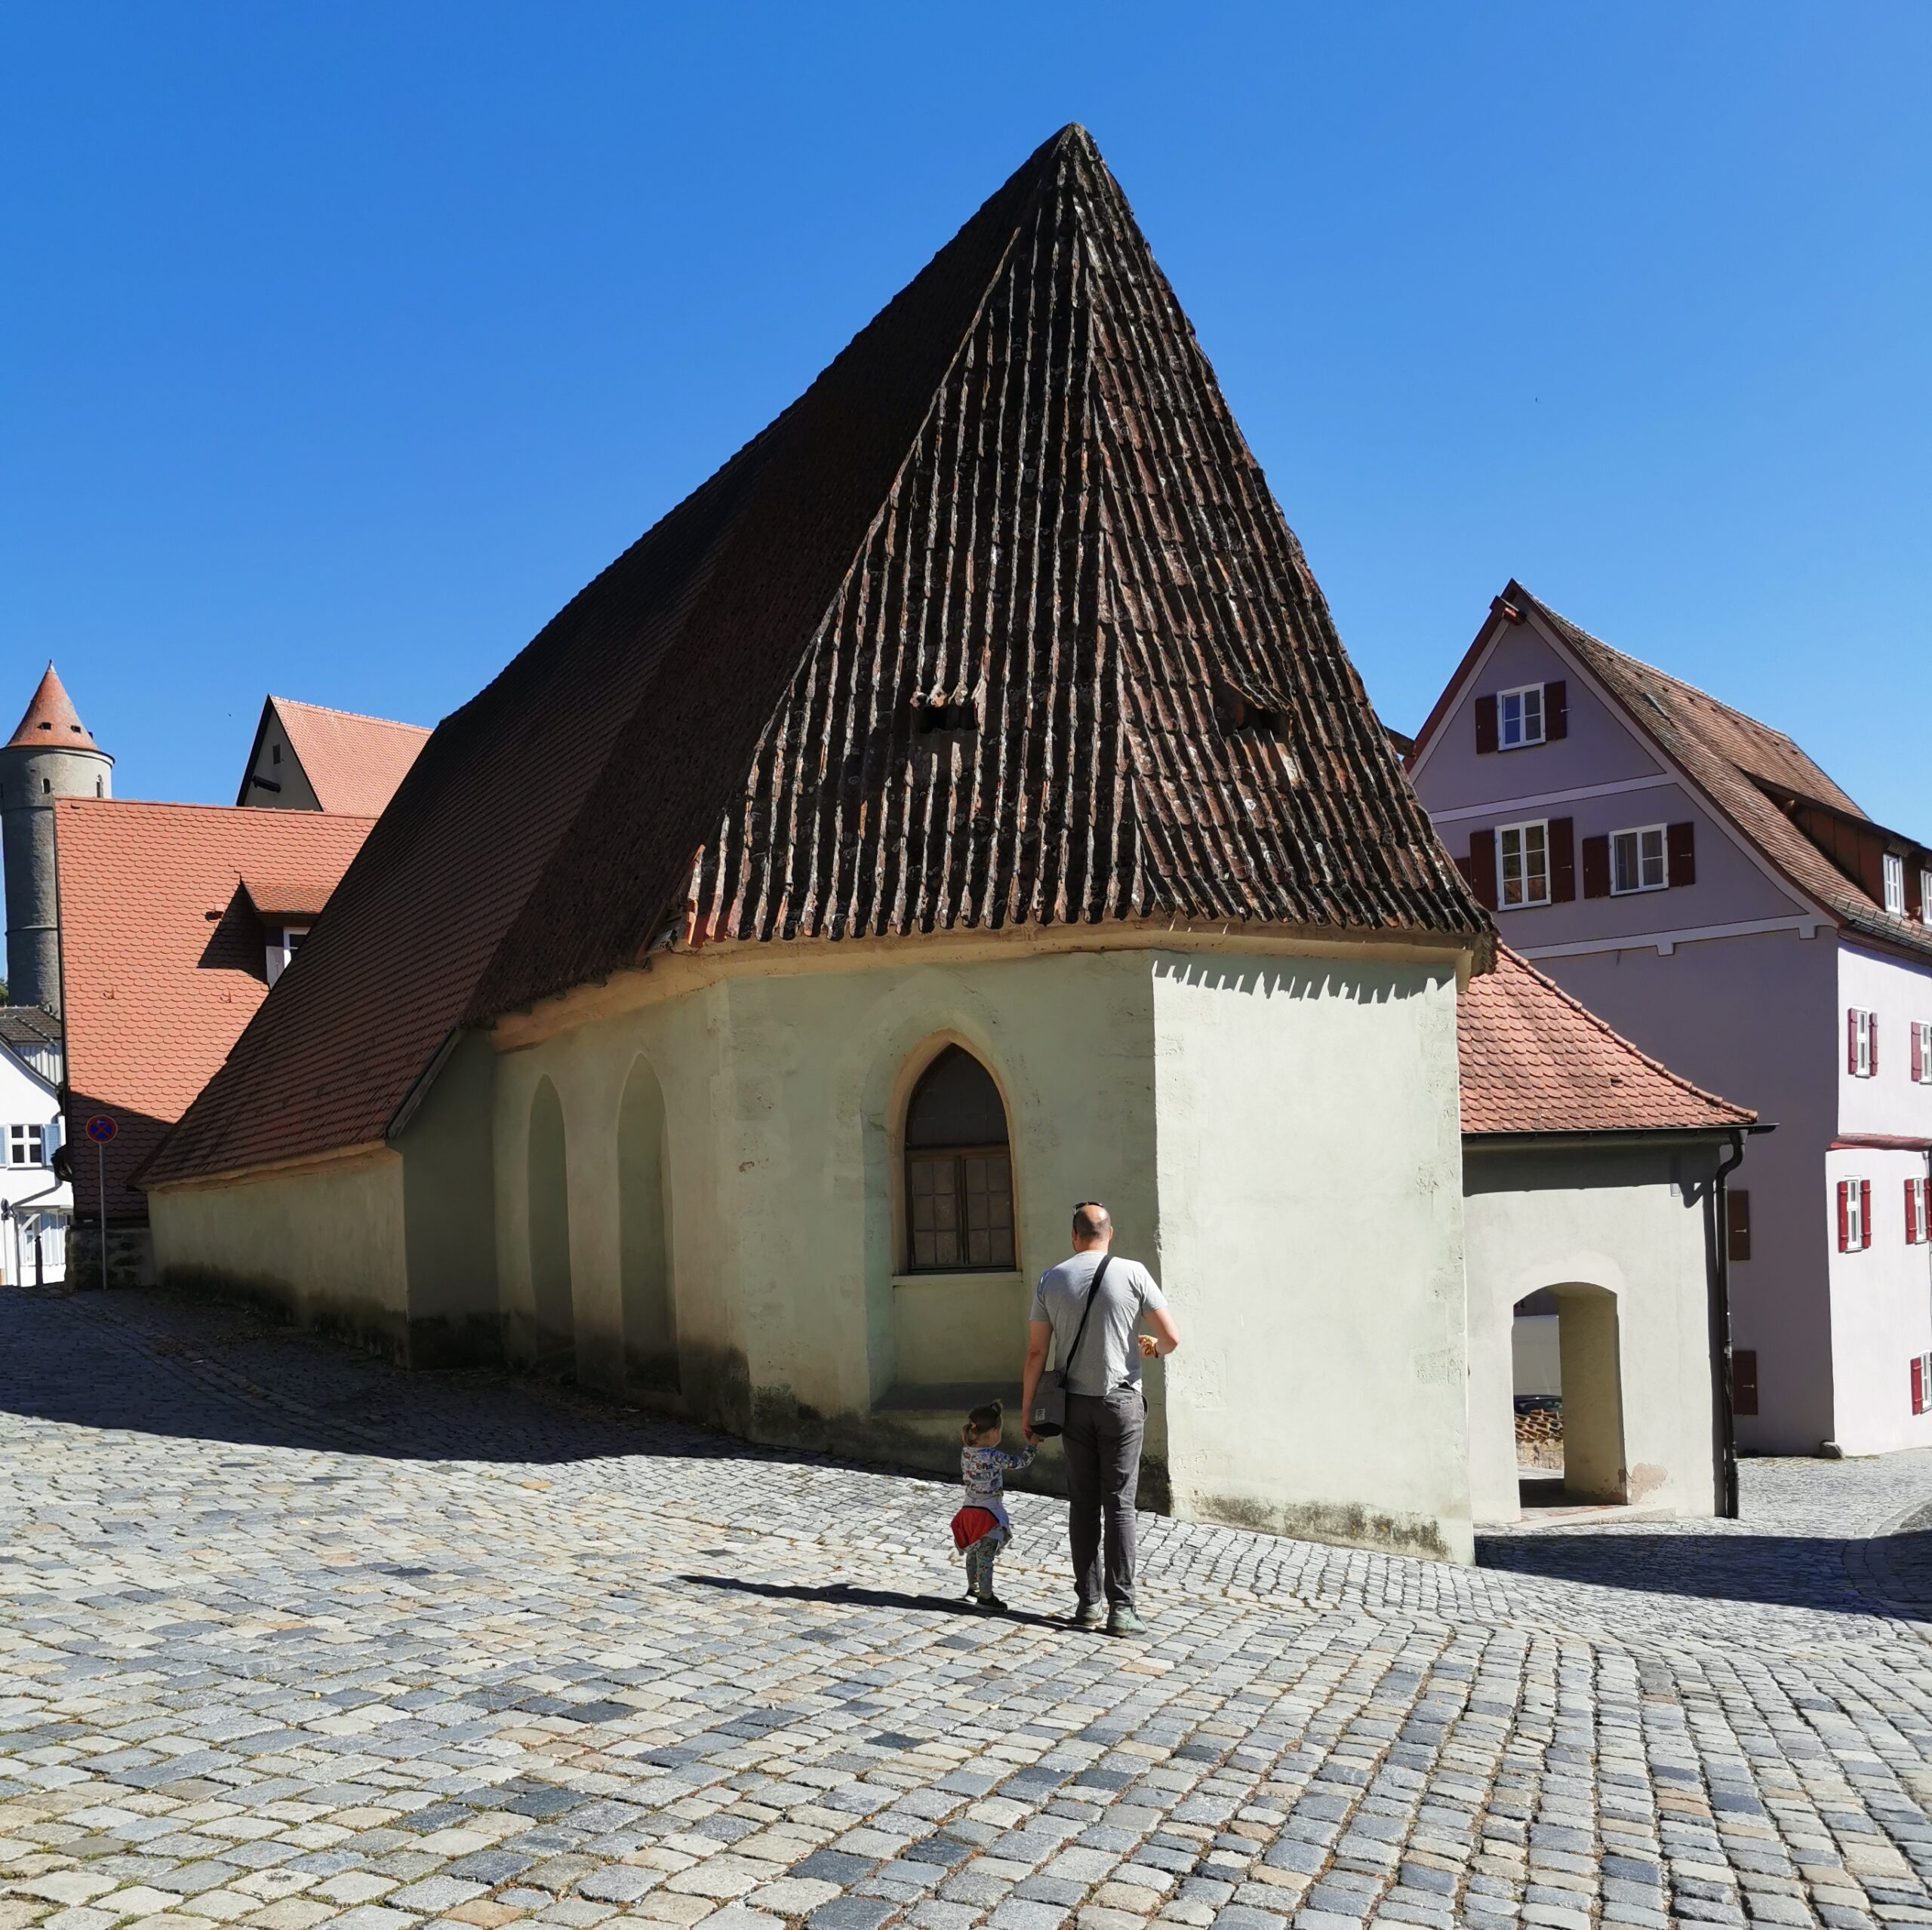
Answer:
x=972 y=1198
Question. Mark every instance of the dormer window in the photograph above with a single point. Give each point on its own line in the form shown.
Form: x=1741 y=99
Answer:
x=283 y=944
x=1895 y=884
x=937 y=729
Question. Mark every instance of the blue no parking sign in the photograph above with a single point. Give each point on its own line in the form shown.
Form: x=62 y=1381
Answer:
x=100 y=1129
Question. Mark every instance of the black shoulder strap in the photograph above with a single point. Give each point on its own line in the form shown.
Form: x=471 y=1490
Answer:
x=1092 y=1294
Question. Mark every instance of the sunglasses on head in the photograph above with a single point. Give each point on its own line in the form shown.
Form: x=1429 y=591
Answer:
x=1081 y=1206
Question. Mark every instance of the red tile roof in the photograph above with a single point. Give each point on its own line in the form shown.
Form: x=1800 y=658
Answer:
x=353 y=764
x=1733 y=757
x=292 y=890
x=50 y=719
x=1534 y=1060
x=161 y=969
x=1015 y=508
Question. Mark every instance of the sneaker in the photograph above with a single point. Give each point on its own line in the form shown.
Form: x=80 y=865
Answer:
x=990 y=1605
x=1122 y=1621
x=1090 y=1615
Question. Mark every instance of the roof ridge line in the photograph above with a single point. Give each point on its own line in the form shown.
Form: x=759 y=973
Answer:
x=251 y=812
x=359 y=716
x=1610 y=1031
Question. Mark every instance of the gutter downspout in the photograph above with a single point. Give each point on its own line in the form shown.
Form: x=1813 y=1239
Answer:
x=1724 y=1418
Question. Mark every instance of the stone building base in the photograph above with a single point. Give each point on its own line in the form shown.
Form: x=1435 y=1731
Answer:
x=129 y=1255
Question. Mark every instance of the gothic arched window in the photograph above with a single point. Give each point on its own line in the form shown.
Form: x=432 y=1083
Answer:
x=959 y=1171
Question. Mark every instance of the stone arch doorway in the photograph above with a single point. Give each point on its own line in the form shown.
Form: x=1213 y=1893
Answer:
x=554 y=1349
x=643 y=1233
x=1588 y=1374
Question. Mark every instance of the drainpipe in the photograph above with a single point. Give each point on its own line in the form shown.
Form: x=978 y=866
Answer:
x=1726 y=1420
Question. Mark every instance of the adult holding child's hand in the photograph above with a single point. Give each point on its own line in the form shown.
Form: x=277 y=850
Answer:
x=1087 y=1311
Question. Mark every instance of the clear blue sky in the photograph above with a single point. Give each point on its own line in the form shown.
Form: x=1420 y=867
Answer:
x=343 y=343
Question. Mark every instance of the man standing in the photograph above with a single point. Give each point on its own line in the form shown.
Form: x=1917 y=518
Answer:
x=1107 y=1413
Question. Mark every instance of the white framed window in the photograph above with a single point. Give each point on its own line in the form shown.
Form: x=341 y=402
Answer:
x=1637 y=860
x=1918 y=1213
x=1925 y=898
x=1854 y=1216
x=1519 y=717
x=1895 y=884
x=1921 y=1052
x=283 y=946
x=26 y=1145
x=1522 y=864
x=1861 y=1042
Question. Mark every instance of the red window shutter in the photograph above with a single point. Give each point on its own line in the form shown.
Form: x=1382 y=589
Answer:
x=1596 y=867
x=1872 y=1044
x=1865 y=1212
x=1912 y=1212
x=1555 y=711
x=1467 y=870
x=1482 y=867
x=1744 y=1380
x=1844 y=1216
x=1562 y=860
x=1919 y=1383
x=1486 y=738
x=1918 y=1057
x=1851 y=1039
x=1737 y=1217
x=1680 y=846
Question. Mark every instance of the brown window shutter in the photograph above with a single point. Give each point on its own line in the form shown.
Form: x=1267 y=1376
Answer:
x=1851 y=1039
x=1467 y=870
x=1872 y=1045
x=1562 y=860
x=1596 y=867
x=1482 y=869
x=1485 y=725
x=1744 y=1380
x=1912 y=1212
x=1865 y=1212
x=1918 y=1056
x=1844 y=1216
x=1737 y=1222
x=1555 y=711
x=1680 y=843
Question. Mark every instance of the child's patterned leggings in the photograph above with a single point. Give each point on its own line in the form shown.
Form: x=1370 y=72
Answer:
x=979 y=1558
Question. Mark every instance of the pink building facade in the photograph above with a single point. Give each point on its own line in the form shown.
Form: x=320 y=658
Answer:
x=1696 y=880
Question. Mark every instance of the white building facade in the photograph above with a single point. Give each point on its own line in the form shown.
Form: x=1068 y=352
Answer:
x=1693 y=877
x=36 y=1205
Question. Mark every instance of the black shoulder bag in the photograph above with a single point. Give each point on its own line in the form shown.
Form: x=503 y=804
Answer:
x=1048 y=1417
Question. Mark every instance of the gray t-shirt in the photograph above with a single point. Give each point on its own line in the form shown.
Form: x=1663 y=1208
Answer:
x=1108 y=1357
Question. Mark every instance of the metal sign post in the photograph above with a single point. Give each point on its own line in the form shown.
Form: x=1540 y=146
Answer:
x=100 y=1129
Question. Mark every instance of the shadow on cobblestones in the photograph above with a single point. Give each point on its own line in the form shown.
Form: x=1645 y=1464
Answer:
x=1796 y=1571
x=840 y=1595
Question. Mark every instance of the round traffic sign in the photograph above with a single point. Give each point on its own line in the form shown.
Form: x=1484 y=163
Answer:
x=100 y=1129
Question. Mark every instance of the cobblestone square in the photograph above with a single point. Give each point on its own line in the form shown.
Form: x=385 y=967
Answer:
x=292 y=1638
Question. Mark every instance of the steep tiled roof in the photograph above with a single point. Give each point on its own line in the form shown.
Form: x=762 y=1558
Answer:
x=27 y=1025
x=160 y=968
x=998 y=624
x=353 y=764
x=1534 y=1061
x=50 y=720
x=1732 y=757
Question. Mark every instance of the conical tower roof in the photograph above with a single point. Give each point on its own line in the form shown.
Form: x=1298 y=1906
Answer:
x=51 y=722
x=998 y=624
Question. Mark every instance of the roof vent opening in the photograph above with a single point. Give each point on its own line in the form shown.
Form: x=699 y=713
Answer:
x=960 y=718
x=1239 y=715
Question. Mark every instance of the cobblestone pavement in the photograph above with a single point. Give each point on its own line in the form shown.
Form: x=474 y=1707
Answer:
x=288 y=1637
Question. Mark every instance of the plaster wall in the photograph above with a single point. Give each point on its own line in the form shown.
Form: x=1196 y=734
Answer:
x=276 y=763
x=1309 y=1164
x=1752 y=1018
x=323 y=1245
x=1637 y=1226
x=1900 y=993
x=1880 y=1305
x=1601 y=748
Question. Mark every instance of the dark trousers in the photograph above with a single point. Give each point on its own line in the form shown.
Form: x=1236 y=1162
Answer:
x=1103 y=1448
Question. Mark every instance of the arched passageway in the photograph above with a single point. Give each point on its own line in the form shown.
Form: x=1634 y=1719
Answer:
x=644 y=1214
x=1580 y=1378
x=554 y=1349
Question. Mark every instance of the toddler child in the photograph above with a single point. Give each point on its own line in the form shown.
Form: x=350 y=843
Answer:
x=980 y=1529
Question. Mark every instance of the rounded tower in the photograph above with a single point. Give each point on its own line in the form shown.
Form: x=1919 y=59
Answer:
x=50 y=755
